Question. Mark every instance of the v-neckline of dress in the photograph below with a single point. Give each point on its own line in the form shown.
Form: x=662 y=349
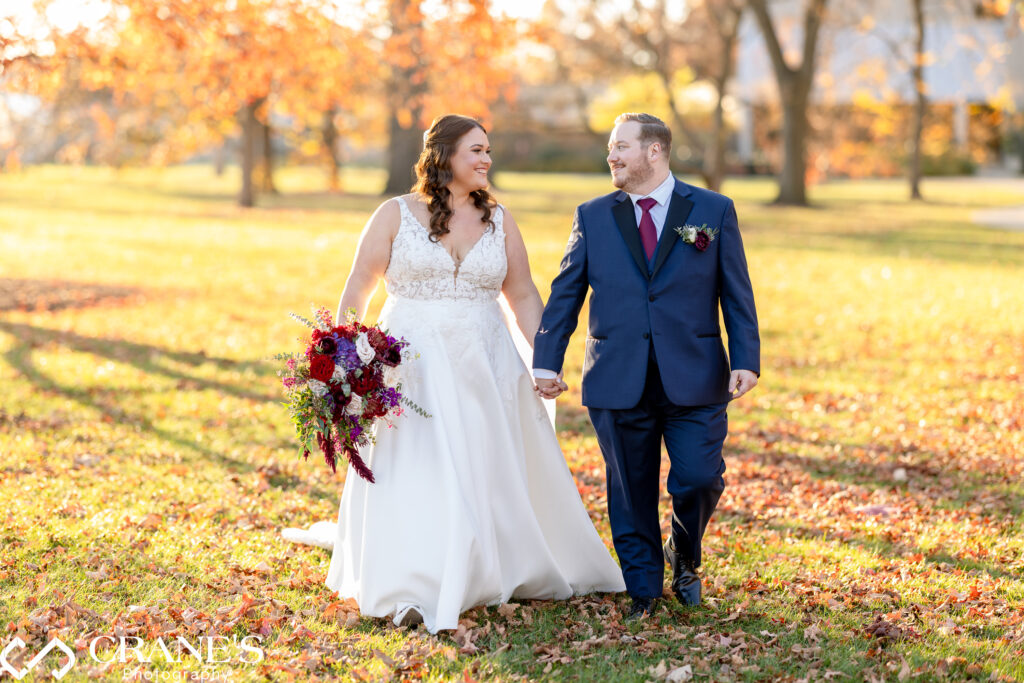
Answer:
x=456 y=263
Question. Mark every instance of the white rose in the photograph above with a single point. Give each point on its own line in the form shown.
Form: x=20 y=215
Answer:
x=691 y=234
x=339 y=373
x=392 y=376
x=355 y=405
x=363 y=348
x=318 y=387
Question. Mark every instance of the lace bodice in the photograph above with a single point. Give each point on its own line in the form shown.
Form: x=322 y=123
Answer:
x=421 y=269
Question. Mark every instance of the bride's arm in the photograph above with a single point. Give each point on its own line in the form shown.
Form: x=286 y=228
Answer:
x=518 y=288
x=371 y=260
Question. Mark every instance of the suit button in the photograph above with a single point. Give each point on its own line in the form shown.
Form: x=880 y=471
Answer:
x=651 y=298
x=647 y=335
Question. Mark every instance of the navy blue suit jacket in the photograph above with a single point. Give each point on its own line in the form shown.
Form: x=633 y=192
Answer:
x=671 y=302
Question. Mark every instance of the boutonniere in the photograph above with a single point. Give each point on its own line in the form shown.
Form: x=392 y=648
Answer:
x=699 y=237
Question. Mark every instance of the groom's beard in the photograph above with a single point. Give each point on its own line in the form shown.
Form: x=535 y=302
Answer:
x=636 y=176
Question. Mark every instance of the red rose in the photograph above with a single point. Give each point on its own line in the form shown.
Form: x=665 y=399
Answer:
x=701 y=241
x=347 y=331
x=366 y=383
x=321 y=368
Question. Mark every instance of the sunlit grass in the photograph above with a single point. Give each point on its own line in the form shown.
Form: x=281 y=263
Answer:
x=874 y=473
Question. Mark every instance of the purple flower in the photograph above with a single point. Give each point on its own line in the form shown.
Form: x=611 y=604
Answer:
x=289 y=382
x=390 y=397
x=355 y=431
x=346 y=355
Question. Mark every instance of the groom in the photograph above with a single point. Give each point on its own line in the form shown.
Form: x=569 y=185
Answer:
x=659 y=258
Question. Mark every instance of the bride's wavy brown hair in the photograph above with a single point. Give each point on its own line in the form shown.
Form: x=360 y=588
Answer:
x=434 y=172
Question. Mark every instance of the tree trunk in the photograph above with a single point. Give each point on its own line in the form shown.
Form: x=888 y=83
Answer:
x=409 y=84
x=1020 y=149
x=266 y=174
x=794 y=94
x=220 y=158
x=404 y=146
x=329 y=137
x=250 y=133
x=920 y=103
x=793 y=175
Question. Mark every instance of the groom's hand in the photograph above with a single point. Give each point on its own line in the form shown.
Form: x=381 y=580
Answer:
x=740 y=382
x=550 y=388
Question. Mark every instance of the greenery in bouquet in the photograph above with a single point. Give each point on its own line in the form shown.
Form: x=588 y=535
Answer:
x=345 y=380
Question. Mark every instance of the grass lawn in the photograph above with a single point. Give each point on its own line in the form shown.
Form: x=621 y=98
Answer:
x=870 y=529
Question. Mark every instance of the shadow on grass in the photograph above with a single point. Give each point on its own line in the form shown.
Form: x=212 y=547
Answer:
x=875 y=544
x=146 y=358
x=54 y=295
x=950 y=241
x=926 y=473
x=947 y=242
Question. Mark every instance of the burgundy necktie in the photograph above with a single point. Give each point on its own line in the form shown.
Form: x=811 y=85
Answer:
x=648 y=233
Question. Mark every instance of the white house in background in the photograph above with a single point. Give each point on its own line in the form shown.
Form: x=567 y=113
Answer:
x=977 y=58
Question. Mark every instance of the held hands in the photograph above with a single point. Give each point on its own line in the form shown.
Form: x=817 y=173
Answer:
x=740 y=382
x=550 y=388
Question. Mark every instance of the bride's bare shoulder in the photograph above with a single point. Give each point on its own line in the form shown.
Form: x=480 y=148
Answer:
x=385 y=219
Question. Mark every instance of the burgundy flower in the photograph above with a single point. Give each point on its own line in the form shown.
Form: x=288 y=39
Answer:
x=347 y=331
x=327 y=346
x=366 y=383
x=375 y=407
x=390 y=356
x=378 y=340
x=341 y=402
x=701 y=241
x=321 y=368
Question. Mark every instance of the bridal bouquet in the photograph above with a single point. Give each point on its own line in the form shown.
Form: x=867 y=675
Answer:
x=345 y=380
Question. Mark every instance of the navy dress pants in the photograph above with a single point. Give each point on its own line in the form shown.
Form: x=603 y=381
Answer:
x=631 y=441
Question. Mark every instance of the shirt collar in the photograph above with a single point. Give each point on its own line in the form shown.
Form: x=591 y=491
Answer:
x=661 y=194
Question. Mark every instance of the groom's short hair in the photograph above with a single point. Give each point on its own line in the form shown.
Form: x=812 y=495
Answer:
x=652 y=129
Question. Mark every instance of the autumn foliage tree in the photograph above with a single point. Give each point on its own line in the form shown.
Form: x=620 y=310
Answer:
x=455 y=60
x=676 y=46
x=211 y=70
x=220 y=68
x=230 y=62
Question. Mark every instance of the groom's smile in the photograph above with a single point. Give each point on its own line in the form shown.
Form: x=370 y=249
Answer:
x=627 y=157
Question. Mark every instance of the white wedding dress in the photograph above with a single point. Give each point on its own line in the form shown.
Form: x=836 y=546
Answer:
x=475 y=504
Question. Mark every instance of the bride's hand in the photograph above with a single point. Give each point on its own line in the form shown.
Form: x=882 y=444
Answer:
x=550 y=388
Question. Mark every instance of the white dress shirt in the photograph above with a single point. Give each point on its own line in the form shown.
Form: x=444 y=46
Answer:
x=661 y=194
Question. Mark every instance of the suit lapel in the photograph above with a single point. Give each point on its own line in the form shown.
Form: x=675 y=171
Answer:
x=625 y=218
x=679 y=208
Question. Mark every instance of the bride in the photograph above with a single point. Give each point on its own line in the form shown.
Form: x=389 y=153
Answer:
x=473 y=505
